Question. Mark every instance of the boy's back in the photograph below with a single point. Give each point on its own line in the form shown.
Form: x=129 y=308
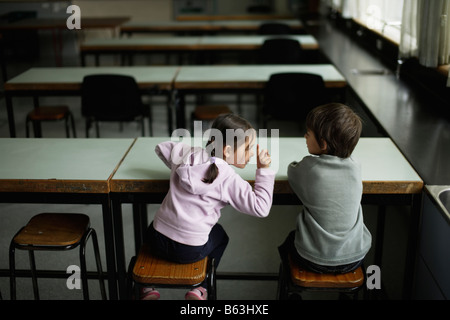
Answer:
x=330 y=228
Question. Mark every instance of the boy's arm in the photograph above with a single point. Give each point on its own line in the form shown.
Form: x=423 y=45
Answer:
x=294 y=173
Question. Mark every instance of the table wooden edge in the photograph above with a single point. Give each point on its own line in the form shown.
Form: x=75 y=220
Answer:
x=11 y=87
x=138 y=47
x=281 y=187
x=235 y=17
x=86 y=48
x=192 y=85
x=54 y=186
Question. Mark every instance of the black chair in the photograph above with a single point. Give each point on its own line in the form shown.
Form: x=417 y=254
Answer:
x=113 y=98
x=281 y=51
x=274 y=28
x=290 y=96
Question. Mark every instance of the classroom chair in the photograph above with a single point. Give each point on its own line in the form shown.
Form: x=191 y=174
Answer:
x=147 y=270
x=50 y=113
x=274 y=28
x=112 y=98
x=290 y=96
x=207 y=113
x=281 y=51
x=55 y=232
x=293 y=279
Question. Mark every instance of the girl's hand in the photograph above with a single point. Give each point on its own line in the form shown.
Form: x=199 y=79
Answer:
x=263 y=158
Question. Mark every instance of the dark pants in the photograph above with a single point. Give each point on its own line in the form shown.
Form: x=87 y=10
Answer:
x=171 y=250
x=288 y=247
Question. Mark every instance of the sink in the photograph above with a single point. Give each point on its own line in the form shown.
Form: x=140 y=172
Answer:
x=441 y=197
x=444 y=198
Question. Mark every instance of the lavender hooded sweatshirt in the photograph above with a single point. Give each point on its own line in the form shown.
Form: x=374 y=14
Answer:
x=191 y=207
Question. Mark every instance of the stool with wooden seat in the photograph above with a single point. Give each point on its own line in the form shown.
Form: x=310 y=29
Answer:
x=56 y=113
x=147 y=270
x=297 y=280
x=208 y=113
x=55 y=232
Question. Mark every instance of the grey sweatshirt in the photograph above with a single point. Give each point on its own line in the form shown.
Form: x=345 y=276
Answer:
x=330 y=228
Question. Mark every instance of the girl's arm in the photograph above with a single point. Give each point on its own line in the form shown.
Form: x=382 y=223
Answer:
x=241 y=196
x=164 y=152
x=172 y=153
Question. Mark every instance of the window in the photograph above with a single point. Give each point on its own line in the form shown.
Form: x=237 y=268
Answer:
x=381 y=16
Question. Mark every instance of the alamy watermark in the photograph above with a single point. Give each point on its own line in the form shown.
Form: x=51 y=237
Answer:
x=233 y=138
x=74 y=280
x=74 y=20
x=373 y=277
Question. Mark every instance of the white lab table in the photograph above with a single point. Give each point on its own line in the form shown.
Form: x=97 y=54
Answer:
x=388 y=179
x=64 y=171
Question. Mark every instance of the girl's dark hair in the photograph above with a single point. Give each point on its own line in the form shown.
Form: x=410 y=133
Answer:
x=222 y=123
x=336 y=124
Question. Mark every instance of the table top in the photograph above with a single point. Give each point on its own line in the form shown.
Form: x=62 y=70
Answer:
x=253 y=24
x=213 y=25
x=253 y=41
x=61 y=23
x=228 y=42
x=184 y=77
x=142 y=43
x=70 y=78
x=248 y=76
x=59 y=165
x=384 y=169
x=252 y=16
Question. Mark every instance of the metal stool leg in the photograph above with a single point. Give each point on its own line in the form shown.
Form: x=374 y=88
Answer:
x=84 y=280
x=97 y=129
x=27 y=127
x=84 y=277
x=99 y=264
x=72 y=121
x=66 y=123
x=212 y=294
x=37 y=129
x=33 y=274
x=12 y=271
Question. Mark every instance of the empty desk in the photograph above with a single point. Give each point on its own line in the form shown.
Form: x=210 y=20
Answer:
x=172 y=44
x=213 y=26
x=66 y=171
x=243 y=78
x=37 y=82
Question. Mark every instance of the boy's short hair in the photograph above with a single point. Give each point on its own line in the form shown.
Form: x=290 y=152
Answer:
x=338 y=125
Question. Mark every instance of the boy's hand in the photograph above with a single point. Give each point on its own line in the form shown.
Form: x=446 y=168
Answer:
x=263 y=158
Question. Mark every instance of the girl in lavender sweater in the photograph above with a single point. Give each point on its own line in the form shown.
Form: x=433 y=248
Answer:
x=202 y=182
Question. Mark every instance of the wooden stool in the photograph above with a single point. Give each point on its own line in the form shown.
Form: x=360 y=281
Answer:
x=297 y=280
x=55 y=232
x=147 y=270
x=55 y=113
x=208 y=113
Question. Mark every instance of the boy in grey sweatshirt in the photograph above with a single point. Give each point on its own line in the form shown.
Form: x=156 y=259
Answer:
x=330 y=236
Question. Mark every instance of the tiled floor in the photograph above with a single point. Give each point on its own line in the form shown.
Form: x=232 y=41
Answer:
x=253 y=242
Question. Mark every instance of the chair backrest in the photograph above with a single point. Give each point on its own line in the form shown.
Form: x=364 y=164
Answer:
x=281 y=51
x=111 y=97
x=274 y=28
x=290 y=96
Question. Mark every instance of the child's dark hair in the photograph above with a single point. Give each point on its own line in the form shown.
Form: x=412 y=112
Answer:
x=336 y=124
x=223 y=123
